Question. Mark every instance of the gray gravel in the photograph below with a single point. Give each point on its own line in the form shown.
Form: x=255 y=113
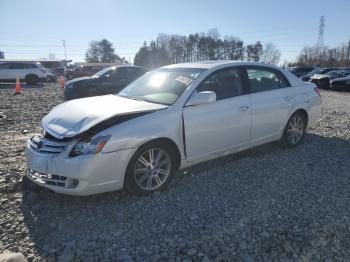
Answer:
x=265 y=204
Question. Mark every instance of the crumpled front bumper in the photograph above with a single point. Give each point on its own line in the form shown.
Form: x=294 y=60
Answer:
x=95 y=174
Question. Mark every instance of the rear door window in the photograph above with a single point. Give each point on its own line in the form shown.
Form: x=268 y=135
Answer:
x=30 y=66
x=261 y=79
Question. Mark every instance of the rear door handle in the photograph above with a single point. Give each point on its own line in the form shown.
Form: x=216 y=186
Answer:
x=288 y=98
x=243 y=108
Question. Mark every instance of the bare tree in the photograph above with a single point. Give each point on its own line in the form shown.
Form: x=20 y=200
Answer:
x=270 y=54
x=338 y=56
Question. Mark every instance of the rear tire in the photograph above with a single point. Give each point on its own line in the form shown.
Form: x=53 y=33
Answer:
x=151 y=168
x=31 y=79
x=294 y=131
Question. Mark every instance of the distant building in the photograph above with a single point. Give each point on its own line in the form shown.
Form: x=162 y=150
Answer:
x=2 y=55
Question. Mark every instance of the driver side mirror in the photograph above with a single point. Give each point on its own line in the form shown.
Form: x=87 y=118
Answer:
x=201 y=98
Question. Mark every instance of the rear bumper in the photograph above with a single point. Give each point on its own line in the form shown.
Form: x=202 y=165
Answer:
x=314 y=110
x=95 y=173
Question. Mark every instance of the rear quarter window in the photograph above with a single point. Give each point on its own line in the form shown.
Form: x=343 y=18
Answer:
x=283 y=80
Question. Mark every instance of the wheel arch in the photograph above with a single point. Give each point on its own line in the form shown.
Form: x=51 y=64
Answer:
x=31 y=75
x=171 y=144
x=297 y=110
x=303 y=112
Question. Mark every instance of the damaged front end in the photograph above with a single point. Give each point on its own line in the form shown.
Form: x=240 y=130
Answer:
x=53 y=162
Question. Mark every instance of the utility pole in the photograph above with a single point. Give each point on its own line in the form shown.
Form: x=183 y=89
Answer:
x=348 y=53
x=65 y=51
x=320 y=40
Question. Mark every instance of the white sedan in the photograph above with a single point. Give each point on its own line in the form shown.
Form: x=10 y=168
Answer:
x=171 y=118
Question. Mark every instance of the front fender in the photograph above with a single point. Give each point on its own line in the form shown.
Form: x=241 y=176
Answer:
x=135 y=132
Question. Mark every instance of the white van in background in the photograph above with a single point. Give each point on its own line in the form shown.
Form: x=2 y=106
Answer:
x=31 y=73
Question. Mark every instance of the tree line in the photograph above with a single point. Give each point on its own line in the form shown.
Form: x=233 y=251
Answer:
x=171 y=49
x=324 y=56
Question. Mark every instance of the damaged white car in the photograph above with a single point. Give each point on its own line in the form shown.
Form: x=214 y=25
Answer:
x=170 y=118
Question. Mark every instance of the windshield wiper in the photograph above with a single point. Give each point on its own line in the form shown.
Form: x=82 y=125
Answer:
x=132 y=97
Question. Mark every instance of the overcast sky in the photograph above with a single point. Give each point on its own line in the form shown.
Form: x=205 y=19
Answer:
x=36 y=28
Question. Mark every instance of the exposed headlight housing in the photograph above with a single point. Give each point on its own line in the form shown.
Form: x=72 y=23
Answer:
x=70 y=85
x=89 y=147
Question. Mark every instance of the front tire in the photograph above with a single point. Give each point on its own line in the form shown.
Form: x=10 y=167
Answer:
x=31 y=79
x=294 y=131
x=151 y=168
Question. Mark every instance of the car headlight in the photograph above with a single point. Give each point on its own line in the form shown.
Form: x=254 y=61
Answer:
x=70 y=85
x=91 y=146
x=347 y=82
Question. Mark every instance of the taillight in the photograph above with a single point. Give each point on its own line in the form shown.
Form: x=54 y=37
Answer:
x=317 y=90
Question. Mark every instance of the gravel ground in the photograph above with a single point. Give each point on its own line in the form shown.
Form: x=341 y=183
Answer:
x=265 y=204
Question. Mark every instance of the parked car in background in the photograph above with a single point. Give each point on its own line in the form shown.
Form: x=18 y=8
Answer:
x=323 y=80
x=173 y=117
x=31 y=73
x=84 y=70
x=317 y=70
x=107 y=81
x=341 y=84
x=300 y=70
x=57 y=71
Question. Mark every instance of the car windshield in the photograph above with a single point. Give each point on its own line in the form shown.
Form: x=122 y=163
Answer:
x=162 y=86
x=315 y=71
x=103 y=71
x=338 y=72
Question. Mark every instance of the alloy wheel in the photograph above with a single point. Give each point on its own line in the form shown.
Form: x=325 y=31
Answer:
x=152 y=169
x=295 y=129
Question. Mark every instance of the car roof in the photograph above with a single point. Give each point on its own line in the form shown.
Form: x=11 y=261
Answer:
x=217 y=63
x=120 y=66
x=19 y=62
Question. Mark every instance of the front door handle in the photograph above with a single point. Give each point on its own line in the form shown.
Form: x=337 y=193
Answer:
x=243 y=108
x=288 y=98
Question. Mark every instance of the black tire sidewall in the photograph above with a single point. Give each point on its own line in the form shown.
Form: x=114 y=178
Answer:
x=129 y=181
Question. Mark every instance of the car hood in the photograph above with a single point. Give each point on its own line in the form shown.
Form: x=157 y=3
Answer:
x=320 y=76
x=345 y=78
x=77 y=116
x=79 y=79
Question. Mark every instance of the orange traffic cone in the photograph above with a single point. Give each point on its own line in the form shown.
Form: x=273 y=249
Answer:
x=62 y=82
x=18 y=88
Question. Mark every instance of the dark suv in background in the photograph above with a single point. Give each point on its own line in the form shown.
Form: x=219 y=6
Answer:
x=107 y=81
x=300 y=70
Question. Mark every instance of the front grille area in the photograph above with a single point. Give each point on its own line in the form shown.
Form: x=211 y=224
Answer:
x=52 y=180
x=48 y=146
